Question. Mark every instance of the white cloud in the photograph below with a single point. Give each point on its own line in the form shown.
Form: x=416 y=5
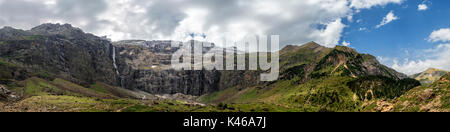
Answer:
x=365 y=4
x=441 y=35
x=362 y=28
x=434 y=58
x=387 y=19
x=344 y=43
x=330 y=36
x=358 y=21
x=350 y=18
x=422 y=7
x=295 y=21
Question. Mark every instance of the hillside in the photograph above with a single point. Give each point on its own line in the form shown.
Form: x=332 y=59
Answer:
x=315 y=78
x=56 y=67
x=428 y=98
x=429 y=76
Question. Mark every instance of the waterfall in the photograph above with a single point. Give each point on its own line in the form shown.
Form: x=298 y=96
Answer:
x=114 y=60
x=115 y=66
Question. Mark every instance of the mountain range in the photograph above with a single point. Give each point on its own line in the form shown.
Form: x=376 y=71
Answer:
x=55 y=67
x=429 y=76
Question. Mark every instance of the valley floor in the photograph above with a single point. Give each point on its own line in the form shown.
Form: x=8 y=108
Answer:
x=39 y=95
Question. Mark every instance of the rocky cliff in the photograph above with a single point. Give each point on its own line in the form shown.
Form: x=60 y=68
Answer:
x=55 y=50
x=145 y=65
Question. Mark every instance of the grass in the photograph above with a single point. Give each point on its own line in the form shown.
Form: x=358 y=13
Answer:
x=330 y=94
x=37 y=87
x=45 y=75
x=160 y=107
x=6 y=68
x=69 y=86
x=414 y=100
x=221 y=96
x=170 y=106
x=71 y=104
x=32 y=37
x=99 y=88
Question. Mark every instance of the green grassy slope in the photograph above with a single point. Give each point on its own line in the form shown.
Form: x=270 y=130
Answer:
x=426 y=98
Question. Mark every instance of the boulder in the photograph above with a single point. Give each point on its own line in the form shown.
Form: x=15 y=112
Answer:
x=7 y=95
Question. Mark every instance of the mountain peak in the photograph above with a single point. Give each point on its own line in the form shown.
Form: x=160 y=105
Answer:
x=52 y=26
x=10 y=33
x=8 y=28
x=346 y=49
x=311 y=44
x=430 y=75
x=52 y=29
x=433 y=70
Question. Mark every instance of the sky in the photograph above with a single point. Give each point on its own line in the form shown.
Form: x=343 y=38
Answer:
x=407 y=35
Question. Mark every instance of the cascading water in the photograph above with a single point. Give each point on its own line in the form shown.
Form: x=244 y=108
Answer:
x=115 y=66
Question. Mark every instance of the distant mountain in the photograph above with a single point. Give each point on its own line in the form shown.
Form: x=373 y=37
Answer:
x=429 y=76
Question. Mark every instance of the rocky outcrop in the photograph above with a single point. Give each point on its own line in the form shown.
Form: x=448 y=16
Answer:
x=348 y=62
x=145 y=65
x=7 y=95
x=55 y=50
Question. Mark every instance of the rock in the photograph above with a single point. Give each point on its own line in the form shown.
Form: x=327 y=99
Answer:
x=384 y=106
x=427 y=94
x=7 y=95
x=145 y=65
x=4 y=90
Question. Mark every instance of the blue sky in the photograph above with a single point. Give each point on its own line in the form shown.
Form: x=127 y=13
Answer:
x=407 y=37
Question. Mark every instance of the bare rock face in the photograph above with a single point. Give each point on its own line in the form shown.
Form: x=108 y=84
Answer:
x=355 y=64
x=54 y=50
x=7 y=95
x=427 y=94
x=145 y=65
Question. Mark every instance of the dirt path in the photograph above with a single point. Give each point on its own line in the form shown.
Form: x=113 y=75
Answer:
x=120 y=110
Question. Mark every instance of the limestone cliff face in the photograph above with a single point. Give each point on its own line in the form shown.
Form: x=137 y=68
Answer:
x=59 y=51
x=146 y=65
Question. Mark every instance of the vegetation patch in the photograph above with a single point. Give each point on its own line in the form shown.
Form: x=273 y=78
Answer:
x=99 y=88
x=381 y=87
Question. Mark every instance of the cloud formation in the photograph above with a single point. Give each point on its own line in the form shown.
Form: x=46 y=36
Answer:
x=364 y=4
x=441 y=35
x=422 y=7
x=295 y=21
x=344 y=43
x=387 y=19
x=434 y=58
